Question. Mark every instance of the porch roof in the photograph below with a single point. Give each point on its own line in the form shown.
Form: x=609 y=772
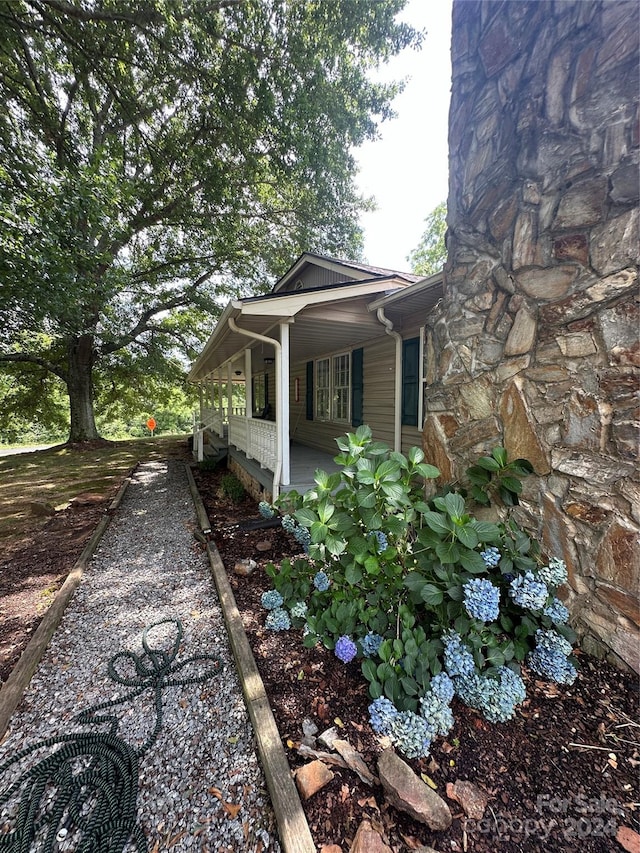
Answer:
x=321 y=319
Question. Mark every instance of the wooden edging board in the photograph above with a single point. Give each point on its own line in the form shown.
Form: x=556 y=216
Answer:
x=14 y=687
x=293 y=829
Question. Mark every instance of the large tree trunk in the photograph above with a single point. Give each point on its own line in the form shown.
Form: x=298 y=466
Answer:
x=80 y=387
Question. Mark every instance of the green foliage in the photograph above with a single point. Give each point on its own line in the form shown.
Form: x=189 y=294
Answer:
x=430 y=254
x=158 y=157
x=494 y=475
x=232 y=487
x=414 y=570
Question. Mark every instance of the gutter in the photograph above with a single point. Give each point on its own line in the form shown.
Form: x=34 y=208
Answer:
x=397 y=402
x=278 y=348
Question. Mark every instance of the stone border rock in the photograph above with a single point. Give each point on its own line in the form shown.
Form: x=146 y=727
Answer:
x=14 y=687
x=293 y=829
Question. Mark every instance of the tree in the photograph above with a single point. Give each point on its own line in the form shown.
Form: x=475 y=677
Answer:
x=430 y=254
x=158 y=155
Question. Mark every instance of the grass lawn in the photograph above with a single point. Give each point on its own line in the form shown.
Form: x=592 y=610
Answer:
x=30 y=483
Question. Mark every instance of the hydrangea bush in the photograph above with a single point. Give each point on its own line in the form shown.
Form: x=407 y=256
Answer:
x=435 y=602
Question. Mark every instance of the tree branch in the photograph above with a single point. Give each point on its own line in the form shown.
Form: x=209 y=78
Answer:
x=26 y=358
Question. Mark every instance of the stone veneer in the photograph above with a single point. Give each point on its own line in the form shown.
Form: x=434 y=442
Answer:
x=535 y=344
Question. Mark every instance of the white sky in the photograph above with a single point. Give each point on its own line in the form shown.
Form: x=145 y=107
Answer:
x=406 y=170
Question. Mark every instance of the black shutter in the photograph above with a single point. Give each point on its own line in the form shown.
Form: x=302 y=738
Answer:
x=357 y=387
x=410 y=381
x=309 y=391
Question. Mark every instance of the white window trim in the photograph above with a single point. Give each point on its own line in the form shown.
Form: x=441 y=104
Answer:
x=331 y=388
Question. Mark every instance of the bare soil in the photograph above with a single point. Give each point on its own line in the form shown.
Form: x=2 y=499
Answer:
x=561 y=776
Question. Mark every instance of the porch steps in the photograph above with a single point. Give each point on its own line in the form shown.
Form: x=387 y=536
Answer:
x=214 y=449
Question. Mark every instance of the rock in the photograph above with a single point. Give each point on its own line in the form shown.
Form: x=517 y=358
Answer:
x=312 y=777
x=244 y=567
x=472 y=798
x=408 y=793
x=309 y=731
x=354 y=760
x=87 y=499
x=328 y=737
x=367 y=840
x=264 y=545
x=331 y=848
x=628 y=839
x=42 y=509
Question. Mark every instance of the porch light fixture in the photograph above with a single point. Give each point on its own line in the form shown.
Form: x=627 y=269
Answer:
x=238 y=373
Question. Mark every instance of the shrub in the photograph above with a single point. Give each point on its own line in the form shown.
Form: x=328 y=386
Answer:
x=232 y=487
x=432 y=599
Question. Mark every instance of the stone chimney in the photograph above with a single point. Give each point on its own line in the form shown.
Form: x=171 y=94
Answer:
x=535 y=345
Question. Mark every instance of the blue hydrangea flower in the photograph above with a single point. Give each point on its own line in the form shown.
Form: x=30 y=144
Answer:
x=289 y=523
x=442 y=687
x=496 y=698
x=298 y=610
x=412 y=734
x=381 y=539
x=481 y=599
x=345 y=649
x=266 y=510
x=382 y=713
x=370 y=644
x=555 y=574
x=528 y=593
x=553 y=641
x=278 y=620
x=271 y=599
x=552 y=664
x=321 y=581
x=491 y=557
x=435 y=704
x=302 y=537
x=458 y=660
x=557 y=612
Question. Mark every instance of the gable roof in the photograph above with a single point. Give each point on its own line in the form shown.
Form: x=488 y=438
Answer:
x=351 y=270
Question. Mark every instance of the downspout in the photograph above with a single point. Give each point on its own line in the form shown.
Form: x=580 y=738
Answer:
x=397 y=397
x=278 y=348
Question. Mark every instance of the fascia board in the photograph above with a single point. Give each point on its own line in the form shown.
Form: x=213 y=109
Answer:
x=288 y=305
x=411 y=290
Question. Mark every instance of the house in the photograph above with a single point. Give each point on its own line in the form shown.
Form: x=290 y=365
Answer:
x=334 y=345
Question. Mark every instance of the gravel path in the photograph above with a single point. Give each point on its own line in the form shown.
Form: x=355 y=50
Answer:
x=200 y=785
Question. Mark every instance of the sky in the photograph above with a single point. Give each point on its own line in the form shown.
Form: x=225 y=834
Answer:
x=407 y=168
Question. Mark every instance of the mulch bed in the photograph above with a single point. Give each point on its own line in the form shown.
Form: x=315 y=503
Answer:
x=561 y=776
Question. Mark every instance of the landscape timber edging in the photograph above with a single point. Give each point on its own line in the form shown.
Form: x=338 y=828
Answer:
x=14 y=687
x=293 y=829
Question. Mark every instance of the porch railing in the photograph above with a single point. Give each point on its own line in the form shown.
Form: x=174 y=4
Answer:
x=256 y=438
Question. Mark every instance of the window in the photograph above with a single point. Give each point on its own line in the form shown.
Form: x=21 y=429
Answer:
x=323 y=390
x=333 y=388
x=341 y=388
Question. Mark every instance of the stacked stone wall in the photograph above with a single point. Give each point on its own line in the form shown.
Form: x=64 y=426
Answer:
x=535 y=345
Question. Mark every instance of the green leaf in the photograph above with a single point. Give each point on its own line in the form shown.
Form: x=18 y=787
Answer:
x=305 y=516
x=428 y=472
x=500 y=455
x=467 y=535
x=375 y=689
x=394 y=492
x=472 y=562
x=431 y=595
x=454 y=504
x=318 y=532
x=388 y=470
x=369 y=669
x=488 y=463
x=335 y=545
x=415 y=455
x=448 y=552
x=486 y=531
x=495 y=657
x=512 y=484
x=409 y=686
x=439 y=523
x=352 y=575
x=372 y=565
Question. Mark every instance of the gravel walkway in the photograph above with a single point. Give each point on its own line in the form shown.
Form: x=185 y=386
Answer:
x=200 y=786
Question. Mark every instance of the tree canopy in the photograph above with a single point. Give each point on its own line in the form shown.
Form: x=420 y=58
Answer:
x=158 y=155
x=430 y=254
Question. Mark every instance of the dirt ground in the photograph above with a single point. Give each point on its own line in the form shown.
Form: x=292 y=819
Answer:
x=561 y=776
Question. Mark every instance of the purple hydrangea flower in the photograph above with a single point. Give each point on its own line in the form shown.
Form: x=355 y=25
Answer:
x=346 y=649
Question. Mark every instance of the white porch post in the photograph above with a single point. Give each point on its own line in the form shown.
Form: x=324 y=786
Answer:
x=220 y=398
x=200 y=399
x=248 y=390
x=282 y=403
x=229 y=390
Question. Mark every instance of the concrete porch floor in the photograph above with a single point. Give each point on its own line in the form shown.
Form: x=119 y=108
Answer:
x=304 y=461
